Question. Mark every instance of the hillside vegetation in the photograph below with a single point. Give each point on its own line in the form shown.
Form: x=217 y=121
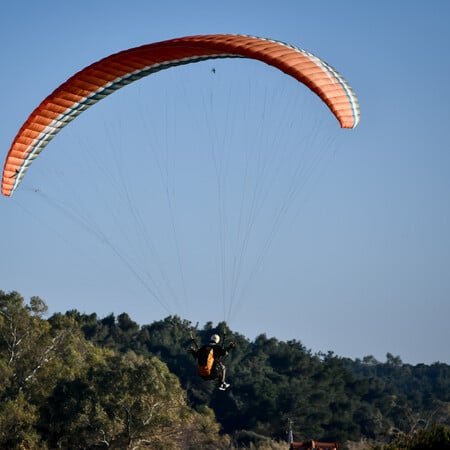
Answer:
x=76 y=380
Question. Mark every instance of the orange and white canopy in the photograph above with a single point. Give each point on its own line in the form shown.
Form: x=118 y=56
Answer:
x=103 y=77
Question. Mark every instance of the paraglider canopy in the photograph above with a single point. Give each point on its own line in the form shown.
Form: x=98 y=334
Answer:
x=100 y=79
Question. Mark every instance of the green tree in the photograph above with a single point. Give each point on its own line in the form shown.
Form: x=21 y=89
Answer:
x=28 y=352
x=124 y=401
x=17 y=424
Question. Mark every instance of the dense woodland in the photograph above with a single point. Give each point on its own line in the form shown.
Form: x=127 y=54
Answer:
x=80 y=381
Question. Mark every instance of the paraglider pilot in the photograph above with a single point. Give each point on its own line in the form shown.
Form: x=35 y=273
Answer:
x=209 y=357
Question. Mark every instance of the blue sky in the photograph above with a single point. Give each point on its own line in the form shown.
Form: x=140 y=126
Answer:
x=360 y=261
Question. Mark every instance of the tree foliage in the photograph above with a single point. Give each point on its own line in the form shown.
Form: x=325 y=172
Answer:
x=76 y=380
x=325 y=396
x=61 y=390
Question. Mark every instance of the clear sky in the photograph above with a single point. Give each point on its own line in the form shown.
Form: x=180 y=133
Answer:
x=122 y=211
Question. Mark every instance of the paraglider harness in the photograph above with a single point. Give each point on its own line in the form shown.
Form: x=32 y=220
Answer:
x=208 y=366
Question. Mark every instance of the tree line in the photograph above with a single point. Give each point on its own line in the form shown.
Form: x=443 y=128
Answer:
x=76 y=380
